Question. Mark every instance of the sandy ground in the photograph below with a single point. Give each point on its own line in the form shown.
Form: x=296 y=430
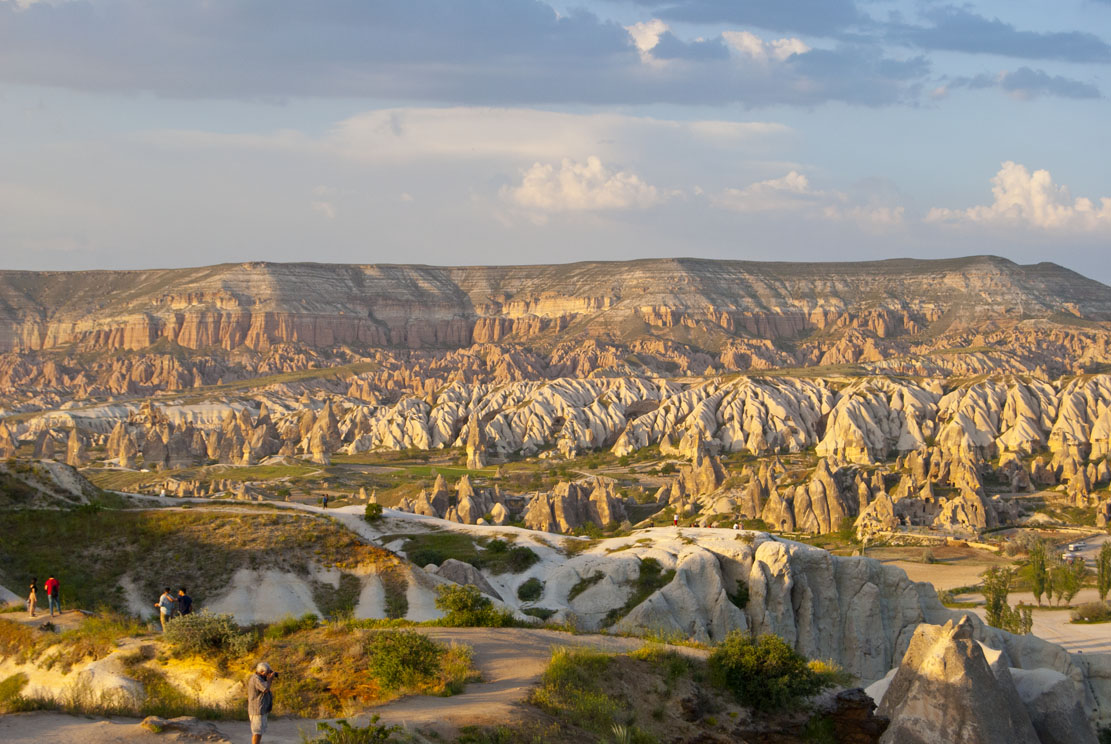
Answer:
x=510 y=660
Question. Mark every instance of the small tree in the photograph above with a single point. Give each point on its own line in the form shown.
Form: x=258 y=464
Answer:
x=1038 y=573
x=997 y=585
x=1103 y=570
x=1074 y=576
x=1057 y=580
x=373 y=512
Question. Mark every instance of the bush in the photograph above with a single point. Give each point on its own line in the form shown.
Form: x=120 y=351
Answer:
x=465 y=606
x=1092 y=612
x=765 y=674
x=403 y=658
x=344 y=733
x=205 y=633
x=373 y=513
x=11 y=693
x=531 y=590
x=289 y=625
x=740 y=596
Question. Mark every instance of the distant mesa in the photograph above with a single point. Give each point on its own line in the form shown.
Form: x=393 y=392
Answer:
x=702 y=303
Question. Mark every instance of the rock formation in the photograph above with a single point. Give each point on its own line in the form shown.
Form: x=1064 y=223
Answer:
x=950 y=687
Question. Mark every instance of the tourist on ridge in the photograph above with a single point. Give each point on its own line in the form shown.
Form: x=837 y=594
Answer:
x=52 y=587
x=165 y=607
x=259 y=699
x=33 y=596
x=325 y=501
x=184 y=602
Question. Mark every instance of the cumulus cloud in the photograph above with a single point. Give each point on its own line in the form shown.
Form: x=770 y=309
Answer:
x=574 y=186
x=1022 y=198
x=753 y=47
x=792 y=194
x=1025 y=83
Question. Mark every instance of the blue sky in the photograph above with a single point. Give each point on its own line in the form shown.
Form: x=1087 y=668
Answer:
x=140 y=133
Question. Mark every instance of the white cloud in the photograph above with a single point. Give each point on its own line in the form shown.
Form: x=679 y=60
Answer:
x=326 y=209
x=1025 y=198
x=793 y=193
x=471 y=133
x=581 y=186
x=752 y=46
x=790 y=192
x=646 y=35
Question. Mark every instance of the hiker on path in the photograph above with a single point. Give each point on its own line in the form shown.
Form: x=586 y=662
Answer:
x=165 y=607
x=52 y=587
x=325 y=500
x=260 y=700
x=184 y=602
x=32 y=598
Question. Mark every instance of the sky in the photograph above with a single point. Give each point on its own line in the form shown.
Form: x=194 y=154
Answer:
x=164 y=133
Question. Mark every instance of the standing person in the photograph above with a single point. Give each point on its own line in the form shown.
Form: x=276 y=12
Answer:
x=676 y=521
x=184 y=602
x=32 y=598
x=260 y=700
x=52 y=588
x=325 y=500
x=165 y=606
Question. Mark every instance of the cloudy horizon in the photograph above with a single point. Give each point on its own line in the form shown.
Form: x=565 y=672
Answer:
x=166 y=133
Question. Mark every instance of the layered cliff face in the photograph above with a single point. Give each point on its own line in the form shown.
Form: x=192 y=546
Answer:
x=257 y=305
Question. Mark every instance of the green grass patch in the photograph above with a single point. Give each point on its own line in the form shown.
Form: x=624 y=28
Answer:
x=530 y=590
x=584 y=583
x=651 y=578
x=494 y=555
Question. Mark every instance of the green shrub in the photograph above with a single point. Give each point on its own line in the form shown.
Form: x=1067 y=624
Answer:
x=765 y=674
x=465 y=606
x=11 y=693
x=403 y=658
x=531 y=590
x=585 y=583
x=571 y=685
x=372 y=513
x=344 y=733
x=739 y=597
x=1092 y=612
x=651 y=578
x=206 y=633
x=289 y=625
x=543 y=613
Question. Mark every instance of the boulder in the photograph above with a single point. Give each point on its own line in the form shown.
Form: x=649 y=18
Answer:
x=465 y=574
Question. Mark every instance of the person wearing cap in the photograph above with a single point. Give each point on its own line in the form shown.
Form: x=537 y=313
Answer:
x=259 y=699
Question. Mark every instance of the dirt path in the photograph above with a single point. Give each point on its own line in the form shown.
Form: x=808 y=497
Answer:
x=511 y=661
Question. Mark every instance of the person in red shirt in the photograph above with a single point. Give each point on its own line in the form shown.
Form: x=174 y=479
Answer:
x=52 y=588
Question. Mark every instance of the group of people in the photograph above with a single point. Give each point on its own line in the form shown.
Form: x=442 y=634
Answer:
x=53 y=595
x=169 y=606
